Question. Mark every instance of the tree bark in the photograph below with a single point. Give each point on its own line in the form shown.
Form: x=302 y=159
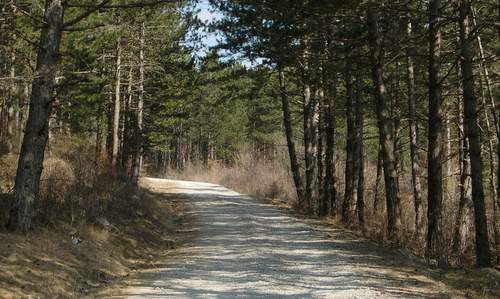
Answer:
x=491 y=164
x=287 y=120
x=359 y=123
x=395 y=114
x=414 y=133
x=472 y=131
x=109 y=124
x=116 y=108
x=435 y=147
x=321 y=148
x=310 y=143
x=386 y=137
x=351 y=174
x=465 y=201
x=127 y=123
x=329 y=189
x=30 y=163
x=137 y=164
x=496 y=124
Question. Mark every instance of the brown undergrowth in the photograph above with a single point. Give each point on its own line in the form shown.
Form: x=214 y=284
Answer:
x=91 y=229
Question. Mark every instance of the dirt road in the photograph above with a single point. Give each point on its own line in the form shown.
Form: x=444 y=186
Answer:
x=244 y=248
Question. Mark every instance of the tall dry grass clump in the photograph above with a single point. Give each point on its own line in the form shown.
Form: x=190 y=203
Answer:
x=248 y=175
x=76 y=186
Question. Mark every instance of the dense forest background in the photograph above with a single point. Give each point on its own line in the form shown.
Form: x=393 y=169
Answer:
x=382 y=114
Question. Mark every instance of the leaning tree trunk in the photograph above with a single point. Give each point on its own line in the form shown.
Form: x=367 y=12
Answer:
x=287 y=120
x=472 y=133
x=30 y=163
x=393 y=199
x=435 y=147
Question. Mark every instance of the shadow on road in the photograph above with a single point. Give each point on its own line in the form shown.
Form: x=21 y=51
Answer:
x=243 y=248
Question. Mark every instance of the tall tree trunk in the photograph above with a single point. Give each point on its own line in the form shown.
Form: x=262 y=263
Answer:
x=287 y=120
x=31 y=157
x=393 y=199
x=329 y=189
x=310 y=143
x=396 y=120
x=494 y=111
x=496 y=124
x=137 y=165
x=127 y=122
x=116 y=108
x=109 y=125
x=359 y=123
x=351 y=173
x=472 y=132
x=448 y=182
x=321 y=149
x=435 y=147
x=465 y=201
x=414 y=133
x=491 y=164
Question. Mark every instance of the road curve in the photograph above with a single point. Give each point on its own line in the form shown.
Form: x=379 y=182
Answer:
x=244 y=248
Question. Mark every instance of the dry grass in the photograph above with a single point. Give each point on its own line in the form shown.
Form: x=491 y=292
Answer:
x=46 y=263
x=259 y=178
x=76 y=195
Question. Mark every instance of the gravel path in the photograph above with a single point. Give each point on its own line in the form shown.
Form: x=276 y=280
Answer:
x=243 y=248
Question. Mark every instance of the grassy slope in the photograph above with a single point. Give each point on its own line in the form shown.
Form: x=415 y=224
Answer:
x=45 y=263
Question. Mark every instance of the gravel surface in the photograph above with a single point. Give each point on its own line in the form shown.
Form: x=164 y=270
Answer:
x=244 y=248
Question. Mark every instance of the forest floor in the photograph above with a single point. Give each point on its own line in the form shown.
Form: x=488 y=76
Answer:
x=46 y=263
x=239 y=246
